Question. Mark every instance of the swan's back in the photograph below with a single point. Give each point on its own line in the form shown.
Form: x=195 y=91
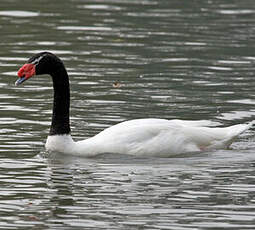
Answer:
x=159 y=137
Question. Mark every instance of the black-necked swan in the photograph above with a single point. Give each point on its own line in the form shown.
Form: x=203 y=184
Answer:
x=140 y=137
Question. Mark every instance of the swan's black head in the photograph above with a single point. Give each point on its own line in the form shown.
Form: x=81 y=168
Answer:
x=41 y=63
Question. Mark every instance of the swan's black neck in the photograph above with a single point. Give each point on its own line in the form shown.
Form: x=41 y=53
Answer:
x=60 y=117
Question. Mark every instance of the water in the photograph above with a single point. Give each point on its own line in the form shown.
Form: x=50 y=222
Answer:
x=171 y=59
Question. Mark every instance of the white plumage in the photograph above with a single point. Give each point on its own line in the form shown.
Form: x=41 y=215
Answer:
x=150 y=137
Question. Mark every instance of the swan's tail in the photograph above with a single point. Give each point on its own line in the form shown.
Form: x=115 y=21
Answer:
x=232 y=133
x=236 y=130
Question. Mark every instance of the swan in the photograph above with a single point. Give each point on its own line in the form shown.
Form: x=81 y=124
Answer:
x=139 y=137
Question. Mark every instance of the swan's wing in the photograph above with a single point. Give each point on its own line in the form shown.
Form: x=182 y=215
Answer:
x=138 y=139
x=156 y=137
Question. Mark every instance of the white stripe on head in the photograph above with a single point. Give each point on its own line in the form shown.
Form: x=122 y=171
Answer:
x=37 y=60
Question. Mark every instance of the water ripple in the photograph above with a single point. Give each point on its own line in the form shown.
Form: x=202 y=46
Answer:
x=18 y=13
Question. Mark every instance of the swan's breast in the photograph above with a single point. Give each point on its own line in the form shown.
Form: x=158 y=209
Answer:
x=60 y=143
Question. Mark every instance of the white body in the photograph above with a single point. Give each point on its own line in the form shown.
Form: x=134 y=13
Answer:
x=150 y=137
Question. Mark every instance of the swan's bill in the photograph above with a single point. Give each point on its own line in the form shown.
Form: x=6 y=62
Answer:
x=25 y=72
x=20 y=81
